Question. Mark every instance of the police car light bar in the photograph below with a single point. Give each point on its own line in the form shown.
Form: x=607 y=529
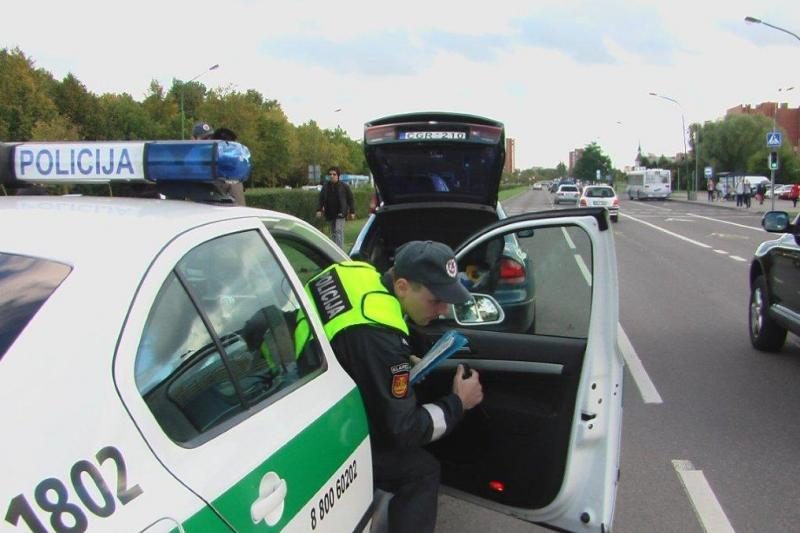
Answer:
x=127 y=162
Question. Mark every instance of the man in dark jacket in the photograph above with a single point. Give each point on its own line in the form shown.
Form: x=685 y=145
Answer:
x=336 y=204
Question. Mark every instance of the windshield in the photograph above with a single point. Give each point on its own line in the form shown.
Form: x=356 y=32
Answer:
x=25 y=284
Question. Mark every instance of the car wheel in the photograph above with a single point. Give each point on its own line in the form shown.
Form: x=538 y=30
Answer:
x=765 y=334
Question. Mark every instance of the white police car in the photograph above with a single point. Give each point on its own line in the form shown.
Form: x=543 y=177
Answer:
x=149 y=378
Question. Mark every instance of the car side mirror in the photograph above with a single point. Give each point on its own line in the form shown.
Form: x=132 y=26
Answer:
x=481 y=309
x=776 y=221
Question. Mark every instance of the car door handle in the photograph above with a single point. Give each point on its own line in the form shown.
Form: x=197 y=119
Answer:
x=269 y=504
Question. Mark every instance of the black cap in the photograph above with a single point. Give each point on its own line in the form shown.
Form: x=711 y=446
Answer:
x=433 y=264
x=201 y=130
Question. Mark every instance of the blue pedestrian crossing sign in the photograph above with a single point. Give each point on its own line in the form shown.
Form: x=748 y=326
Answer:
x=774 y=139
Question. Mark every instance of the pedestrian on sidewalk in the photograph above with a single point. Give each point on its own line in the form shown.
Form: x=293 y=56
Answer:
x=794 y=193
x=710 y=187
x=761 y=190
x=746 y=192
x=739 y=192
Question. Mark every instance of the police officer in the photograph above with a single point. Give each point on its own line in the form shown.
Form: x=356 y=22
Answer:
x=363 y=314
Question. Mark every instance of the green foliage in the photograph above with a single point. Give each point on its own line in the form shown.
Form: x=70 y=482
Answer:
x=592 y=160
x=34 y=106
x=303 y=203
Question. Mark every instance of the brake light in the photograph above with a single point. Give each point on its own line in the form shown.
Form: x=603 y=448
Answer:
x=511 y=271
x=583 y=202
x=497 y=486
x=374 y=202
x=377 y=134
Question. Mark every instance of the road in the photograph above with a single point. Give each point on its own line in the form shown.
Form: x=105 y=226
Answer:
x=709 y=434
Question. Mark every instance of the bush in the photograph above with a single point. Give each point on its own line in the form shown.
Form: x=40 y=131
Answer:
x=303 y=203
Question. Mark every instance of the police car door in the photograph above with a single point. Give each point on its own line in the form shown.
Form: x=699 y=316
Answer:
x=544 y=444
x=270 y=437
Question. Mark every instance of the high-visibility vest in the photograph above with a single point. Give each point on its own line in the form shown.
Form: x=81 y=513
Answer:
x=348 y=294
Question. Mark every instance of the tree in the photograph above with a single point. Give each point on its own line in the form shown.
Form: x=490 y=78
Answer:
x=78 y=105
x=24 y=99
x=592 y=160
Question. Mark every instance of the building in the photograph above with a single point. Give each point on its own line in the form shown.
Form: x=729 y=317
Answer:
x=510 y=163
x=574 y=155
x=786 y=118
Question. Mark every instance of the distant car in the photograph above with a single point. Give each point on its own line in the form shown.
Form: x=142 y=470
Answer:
x=601 y=196
x=537 y=186
x=567 y=194
x=779 y=190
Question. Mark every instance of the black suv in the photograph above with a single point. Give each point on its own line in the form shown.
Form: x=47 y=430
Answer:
x=774 y=284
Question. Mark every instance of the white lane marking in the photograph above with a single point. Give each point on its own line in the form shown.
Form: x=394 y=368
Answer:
x=687 y=239
x=740 y=259
x=760 y=230
x=646 y=387
x=710 y=513
x=723 y=252
x=587 y=275
x=567 y=238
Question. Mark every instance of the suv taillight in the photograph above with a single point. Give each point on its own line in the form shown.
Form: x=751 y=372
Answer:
x=511 y=271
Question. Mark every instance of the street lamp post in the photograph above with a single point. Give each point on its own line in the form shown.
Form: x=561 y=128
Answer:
x=685 y=156
x=754 y=20
x=774 y=128
x=183 y=115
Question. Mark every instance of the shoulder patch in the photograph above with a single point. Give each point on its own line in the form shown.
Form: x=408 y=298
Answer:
x=400 y=384
x=329 y=296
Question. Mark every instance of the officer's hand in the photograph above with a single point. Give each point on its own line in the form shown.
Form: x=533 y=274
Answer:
x=414 y=359
x=468 y=389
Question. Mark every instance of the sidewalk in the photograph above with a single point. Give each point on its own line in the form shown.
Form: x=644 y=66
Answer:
x=755 y=207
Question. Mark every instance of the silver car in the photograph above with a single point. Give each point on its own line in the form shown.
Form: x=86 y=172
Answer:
x=601 y=196
x=567 y=194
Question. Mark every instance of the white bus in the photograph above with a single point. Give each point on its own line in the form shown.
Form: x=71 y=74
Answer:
x=649 y=183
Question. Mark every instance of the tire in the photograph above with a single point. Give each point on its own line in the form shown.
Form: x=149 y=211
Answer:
x=765 y=334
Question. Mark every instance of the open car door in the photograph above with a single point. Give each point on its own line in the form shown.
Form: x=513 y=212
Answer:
x=544 y=444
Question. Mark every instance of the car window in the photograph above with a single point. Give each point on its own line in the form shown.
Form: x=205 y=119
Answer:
x=219 y=338
x=306 y=260
x=25 y=284
x=542 y=279
x=599 y=192
x=569 y=188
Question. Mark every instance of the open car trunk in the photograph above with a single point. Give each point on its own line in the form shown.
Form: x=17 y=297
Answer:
x=437 y=221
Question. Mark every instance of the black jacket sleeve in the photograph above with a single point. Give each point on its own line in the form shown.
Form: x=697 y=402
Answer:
x=378 y=361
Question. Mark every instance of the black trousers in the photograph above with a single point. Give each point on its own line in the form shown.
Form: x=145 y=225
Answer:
x=413 y=476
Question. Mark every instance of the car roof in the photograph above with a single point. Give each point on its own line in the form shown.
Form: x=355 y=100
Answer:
x=75 y=229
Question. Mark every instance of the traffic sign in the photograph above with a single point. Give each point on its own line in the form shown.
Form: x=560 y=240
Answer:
x=774 y=139
x=709 y=172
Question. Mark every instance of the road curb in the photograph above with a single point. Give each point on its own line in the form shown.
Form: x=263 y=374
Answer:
x=758 y=209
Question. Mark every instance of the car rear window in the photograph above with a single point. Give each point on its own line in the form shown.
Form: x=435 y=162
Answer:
x=600 y=192
x=25 y=284
x=569 y=188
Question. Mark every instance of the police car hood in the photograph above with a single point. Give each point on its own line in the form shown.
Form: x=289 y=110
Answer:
x=436 y=158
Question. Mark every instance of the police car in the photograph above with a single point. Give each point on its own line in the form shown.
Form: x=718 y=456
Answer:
x=150 y=380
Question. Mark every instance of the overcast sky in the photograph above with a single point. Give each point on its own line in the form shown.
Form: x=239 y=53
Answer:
x=559 y=74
